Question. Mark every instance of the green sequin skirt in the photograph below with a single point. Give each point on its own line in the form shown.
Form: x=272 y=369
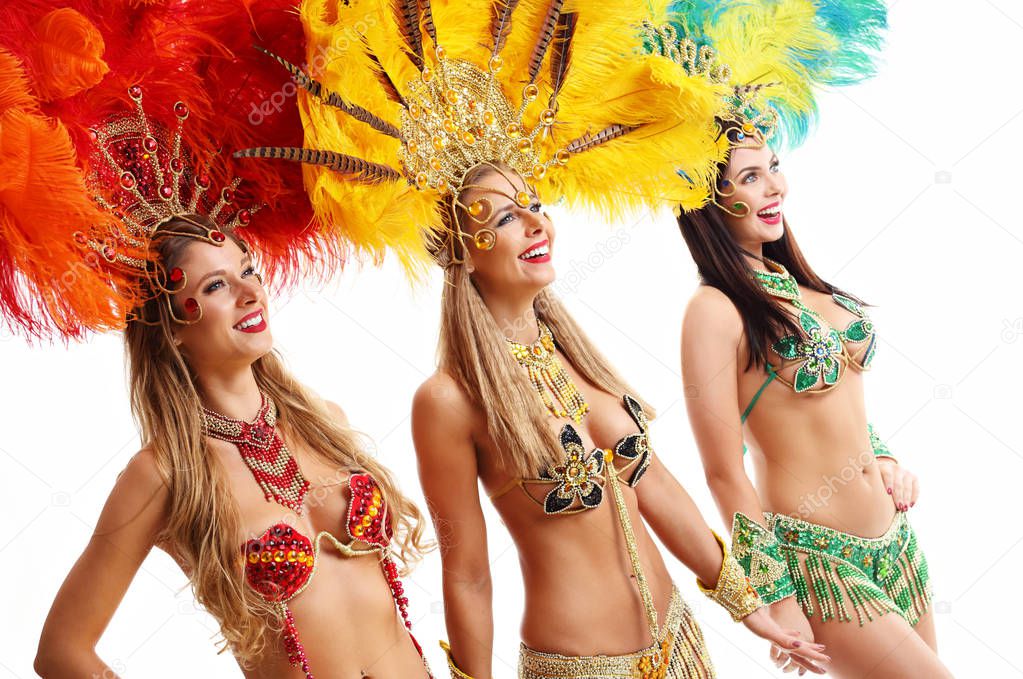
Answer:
x=679 y=654
x=871 y=576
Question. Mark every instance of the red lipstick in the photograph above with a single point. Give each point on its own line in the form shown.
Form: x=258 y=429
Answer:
x=257 y=327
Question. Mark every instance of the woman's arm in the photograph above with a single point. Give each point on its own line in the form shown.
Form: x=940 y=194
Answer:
x=674 y=518
x=711 y=332
x=128 y=526
x=442 y=424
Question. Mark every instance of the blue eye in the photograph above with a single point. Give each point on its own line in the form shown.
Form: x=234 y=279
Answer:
x=750 y=176
x=249 y=271
x=535 y=207
x=774 y=167
x=504 y=220
x=215 y=285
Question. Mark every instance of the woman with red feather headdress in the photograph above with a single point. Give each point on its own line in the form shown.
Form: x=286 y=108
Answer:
x=119 y=217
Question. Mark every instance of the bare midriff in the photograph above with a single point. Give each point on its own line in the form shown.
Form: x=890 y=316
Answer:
x=581 y=596
x=812 y=455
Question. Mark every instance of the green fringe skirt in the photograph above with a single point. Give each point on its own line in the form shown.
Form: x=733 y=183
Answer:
x=870 y=576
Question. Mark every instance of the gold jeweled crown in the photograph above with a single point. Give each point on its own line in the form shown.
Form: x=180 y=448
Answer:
x=746 y=120
x=429 y=92
x=458 y=118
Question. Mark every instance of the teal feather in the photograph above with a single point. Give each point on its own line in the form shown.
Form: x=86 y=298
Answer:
x=857 y=28
x=860 y=28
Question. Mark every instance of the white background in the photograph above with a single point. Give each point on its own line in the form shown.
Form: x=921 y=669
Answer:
x=908 y=195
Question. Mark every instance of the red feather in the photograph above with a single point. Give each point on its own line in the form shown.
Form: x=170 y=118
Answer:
x=79 y=60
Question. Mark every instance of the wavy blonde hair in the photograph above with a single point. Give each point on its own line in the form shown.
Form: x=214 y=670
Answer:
x=472 y=349
x=204 y=522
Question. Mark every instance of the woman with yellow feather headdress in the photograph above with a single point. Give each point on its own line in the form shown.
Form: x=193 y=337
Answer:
x=818 y=556
x=432 y=128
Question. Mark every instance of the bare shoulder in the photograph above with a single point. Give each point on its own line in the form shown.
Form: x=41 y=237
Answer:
x=140 y=498
x=711 y=314
x=143 y=472
x=441 y=401
x=440 y=392
x=445 y=423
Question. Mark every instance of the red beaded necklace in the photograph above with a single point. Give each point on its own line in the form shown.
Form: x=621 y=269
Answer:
x=264 y=452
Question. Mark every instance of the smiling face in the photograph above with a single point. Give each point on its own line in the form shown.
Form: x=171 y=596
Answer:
x=519 y=263
x=234 y=324
x=754 y=181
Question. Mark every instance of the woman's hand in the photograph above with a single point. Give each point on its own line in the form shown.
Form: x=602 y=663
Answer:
x=802 y=654
x=900 y=483
x=788 y=616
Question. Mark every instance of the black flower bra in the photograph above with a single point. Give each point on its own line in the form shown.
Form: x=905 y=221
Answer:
x=578 y=481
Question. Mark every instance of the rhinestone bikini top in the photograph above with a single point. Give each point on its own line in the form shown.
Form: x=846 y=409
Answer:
x=824 y=352
x=578 y=481
x=279 y=564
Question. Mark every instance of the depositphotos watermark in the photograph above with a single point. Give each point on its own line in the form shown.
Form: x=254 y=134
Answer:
x=818 y=499
x=1012 y=329
x=578 y=271
x=325 y=54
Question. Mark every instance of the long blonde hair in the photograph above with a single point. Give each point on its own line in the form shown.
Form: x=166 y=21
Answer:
x=472 y=349
x=204 y=523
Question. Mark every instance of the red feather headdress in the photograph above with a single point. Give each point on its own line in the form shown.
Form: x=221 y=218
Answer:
x=67 y=69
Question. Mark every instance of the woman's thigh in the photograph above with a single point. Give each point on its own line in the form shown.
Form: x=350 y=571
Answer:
x=925 y=628
x=884 y=648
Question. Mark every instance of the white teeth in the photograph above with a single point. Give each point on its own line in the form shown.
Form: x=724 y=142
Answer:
x=770 y=212
x=536 y=252
x=255 y=320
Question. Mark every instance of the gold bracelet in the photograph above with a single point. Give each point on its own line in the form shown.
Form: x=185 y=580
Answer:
x=455 y=672
x=734 y=591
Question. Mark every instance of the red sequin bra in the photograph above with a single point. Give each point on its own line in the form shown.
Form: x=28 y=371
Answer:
x=280 y=563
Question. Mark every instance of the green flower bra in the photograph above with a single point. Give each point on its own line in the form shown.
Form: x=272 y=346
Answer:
x=823 y=352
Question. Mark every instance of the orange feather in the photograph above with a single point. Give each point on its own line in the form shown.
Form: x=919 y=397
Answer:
x=67 y=54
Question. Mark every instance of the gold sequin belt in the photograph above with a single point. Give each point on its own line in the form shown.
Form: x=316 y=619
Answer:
x=680 y=653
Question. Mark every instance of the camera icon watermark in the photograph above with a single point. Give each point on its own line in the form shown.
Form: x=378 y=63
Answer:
x=1012 y=329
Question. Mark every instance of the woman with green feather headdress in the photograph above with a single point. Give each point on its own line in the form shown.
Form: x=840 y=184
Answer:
x=795 y=346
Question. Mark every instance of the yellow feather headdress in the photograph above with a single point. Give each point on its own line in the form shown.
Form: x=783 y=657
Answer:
x=400 y=101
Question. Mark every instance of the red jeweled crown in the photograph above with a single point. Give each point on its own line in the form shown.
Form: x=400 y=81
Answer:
x=141 y=173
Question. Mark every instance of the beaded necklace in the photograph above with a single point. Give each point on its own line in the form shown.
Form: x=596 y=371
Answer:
x=263 y=451
x=548 y=376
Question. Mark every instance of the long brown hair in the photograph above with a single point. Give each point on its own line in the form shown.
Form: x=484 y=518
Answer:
x=204 y=523
x=472 y=349
x=721 y=264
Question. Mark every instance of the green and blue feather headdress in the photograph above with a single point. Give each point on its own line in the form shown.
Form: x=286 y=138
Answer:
x=776 y=54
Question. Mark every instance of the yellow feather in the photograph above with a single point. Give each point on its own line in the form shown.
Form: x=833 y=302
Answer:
x=611 y=80
x=370 y=219
x=760 y=41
